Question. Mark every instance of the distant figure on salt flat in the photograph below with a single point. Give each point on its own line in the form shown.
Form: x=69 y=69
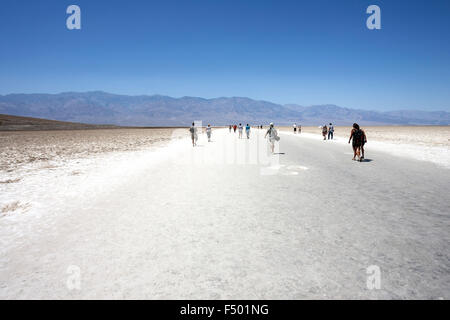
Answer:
x=194 y=136
x=234 y=128
x=247 y=131
x=208 y=132
x=330 y=131
x=229 y=128
x=295 y=128
x=241 y=128
x=273 y=136
x=324 y=132
x=299 y=129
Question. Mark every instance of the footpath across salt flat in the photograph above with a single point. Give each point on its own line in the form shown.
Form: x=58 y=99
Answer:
x=439 y=155
x=225 y=221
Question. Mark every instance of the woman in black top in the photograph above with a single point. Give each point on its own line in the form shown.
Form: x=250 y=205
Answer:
x=358 y=137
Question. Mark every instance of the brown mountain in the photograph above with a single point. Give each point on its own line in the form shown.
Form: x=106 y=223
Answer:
x=15 y=123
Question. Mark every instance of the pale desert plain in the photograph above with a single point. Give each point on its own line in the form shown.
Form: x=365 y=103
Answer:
x=140 y=213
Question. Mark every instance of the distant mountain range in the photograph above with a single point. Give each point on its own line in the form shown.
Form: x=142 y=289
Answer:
x=105 y=108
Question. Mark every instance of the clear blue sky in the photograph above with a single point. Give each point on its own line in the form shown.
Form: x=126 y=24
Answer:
x=305 y=52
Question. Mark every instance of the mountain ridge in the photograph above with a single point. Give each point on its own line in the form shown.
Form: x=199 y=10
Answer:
x=99 y=107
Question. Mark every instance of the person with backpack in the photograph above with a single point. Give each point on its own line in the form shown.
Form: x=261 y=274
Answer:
x=330 y=131
x=358 y=137
x=273 y=136
x=208 y=132
x=324 y=132
x=247 y=131
x=194 y=136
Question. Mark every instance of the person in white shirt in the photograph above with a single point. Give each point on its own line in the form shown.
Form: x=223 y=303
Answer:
x=295 y=128
x=330 y=131
x=241 y=128
x=273 y=136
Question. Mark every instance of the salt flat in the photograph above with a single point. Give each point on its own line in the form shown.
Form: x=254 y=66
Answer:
x=223 y=221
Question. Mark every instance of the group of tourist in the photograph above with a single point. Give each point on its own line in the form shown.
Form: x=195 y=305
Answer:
x=240 y=129
x=328 y=131
x=357 y=136
x=299 y=128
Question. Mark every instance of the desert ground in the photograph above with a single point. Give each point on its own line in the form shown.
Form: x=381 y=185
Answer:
x=140 y=213
x=16 y=123
x=22 y=149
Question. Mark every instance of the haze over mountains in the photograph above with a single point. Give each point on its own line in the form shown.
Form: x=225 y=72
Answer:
x=105 y=108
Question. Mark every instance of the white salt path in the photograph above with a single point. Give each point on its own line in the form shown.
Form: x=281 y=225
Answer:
x=210 y=223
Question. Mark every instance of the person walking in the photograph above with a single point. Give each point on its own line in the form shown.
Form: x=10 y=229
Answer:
x=208 y=132
x=247 y=131
x=295 y=128
x=194 y=136
x=229 y=128
x=324 y=132
x=234 y=128
x=357 y=138
x=364 y=141
x=273 y=136
x=330 y=131
x=241 y=128
x=299 y=129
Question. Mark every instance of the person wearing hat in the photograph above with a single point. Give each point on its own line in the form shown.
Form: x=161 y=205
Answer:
x=273 y=136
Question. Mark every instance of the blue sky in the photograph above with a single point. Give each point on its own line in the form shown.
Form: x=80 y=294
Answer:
x=304 y=52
